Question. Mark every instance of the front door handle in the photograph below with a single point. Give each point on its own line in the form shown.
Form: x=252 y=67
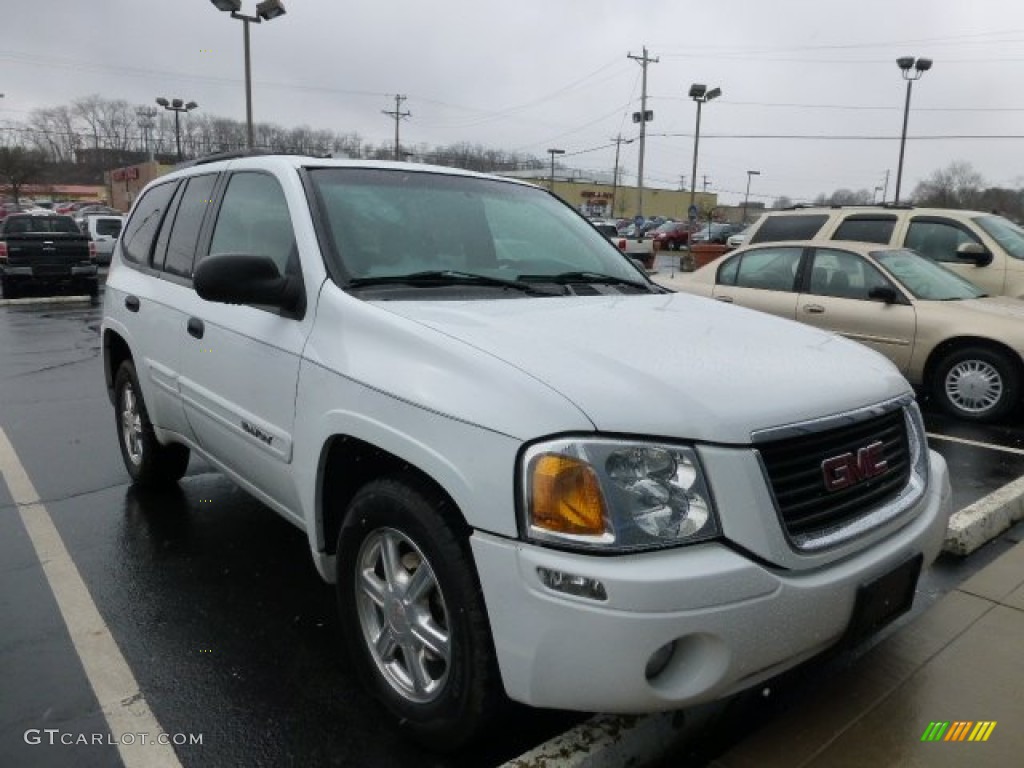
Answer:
x=131 y=303
x=814 y=309
x=196 y=327
x=726 y=299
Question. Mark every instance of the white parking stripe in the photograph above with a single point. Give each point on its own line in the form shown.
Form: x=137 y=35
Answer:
x=977 y=444
x=116 y=689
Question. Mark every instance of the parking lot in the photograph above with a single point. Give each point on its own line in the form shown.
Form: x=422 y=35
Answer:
x=212 y=600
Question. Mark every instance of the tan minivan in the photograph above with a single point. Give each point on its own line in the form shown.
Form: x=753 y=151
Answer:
x=985 y=248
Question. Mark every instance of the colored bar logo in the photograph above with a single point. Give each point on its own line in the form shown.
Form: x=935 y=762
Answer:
x=959 y=730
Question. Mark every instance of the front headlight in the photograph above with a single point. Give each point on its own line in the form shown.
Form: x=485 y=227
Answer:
x=615 y=495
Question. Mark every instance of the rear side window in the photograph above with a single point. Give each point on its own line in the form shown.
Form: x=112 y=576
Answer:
x=181 y=247
x=866 y=230
x=108 y=227
x=140 y=232
x=800 y=227
x=769 y=269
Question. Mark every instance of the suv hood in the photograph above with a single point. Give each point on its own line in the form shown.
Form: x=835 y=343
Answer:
x=672 y=365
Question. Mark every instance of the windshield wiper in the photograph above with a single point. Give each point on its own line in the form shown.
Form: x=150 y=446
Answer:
x=444 y=277
x=565 y=278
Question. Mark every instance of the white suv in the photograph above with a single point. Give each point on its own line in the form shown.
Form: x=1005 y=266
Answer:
x=434 y=373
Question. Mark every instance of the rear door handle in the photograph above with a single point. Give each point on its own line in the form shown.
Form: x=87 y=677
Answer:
x=131 y=303
x=814 y=309
x=196 y=327
x=726 y=299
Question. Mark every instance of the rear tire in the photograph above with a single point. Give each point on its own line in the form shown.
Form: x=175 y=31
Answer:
x=10 y=288
x=976 y=384
x=413 y=614
x=149 y=463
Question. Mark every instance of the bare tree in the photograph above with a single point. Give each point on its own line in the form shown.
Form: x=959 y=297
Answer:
x=20 y=166
x=957 y=185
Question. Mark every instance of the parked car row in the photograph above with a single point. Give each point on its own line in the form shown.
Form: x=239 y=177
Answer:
x=946 y=335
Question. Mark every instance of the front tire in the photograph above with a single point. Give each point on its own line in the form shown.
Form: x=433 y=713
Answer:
x=413 y=614
x=976 y=384
x=149 y=463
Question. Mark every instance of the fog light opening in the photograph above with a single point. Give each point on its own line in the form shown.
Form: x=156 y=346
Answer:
x=659 y=660
x=572 y=584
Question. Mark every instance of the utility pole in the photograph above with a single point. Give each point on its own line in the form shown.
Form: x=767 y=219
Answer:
x=398 y=114
x=706 y=182
x=642 y=117
x=885 y=190
x=619 y=141
x=682 y=183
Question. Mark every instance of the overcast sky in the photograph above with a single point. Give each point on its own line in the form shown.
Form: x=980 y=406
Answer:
x=536 y=74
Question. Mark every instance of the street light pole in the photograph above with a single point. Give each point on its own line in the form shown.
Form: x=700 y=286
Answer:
x=919 y=66
x=746 y=197
x=177 y=106
x=700 y=94
x=551 y=179
x=266 y=10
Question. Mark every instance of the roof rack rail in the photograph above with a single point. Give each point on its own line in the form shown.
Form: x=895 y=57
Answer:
x=837 y=206
x=236 y=154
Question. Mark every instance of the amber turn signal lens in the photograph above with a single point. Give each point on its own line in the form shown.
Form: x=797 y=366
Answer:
x=566 y=496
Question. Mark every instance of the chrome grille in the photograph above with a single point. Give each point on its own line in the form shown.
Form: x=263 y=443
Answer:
x=794 y=467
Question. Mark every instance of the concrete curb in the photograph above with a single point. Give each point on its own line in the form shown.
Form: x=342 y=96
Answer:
x=985 y=519
x=606 y=741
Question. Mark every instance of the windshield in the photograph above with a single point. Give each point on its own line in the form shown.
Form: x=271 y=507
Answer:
x=924 y=278
x=1004 y=232
x=394 y=223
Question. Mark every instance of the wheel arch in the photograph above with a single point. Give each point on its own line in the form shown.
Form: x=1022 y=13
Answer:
x=950 y=345
x=347 y=463
x=115 y=352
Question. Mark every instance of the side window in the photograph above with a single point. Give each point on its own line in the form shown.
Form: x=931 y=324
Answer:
x=108 y=227
x=866 y=230
x=775 y=228
x=769 y=269
x=181 y=246
x=938 y=240
x=727 y=272
x=253 y=219
x=843 y=275
x=139 y=233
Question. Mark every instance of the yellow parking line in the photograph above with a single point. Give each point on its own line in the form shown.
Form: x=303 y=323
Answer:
x=112 y=680
x=977 y=444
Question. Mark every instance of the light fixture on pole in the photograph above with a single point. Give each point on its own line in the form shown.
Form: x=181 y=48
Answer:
x=551 y=180
x=919 y=67
x=177 y=106
x=268 y=10
x=746 y=197
x=700 y=94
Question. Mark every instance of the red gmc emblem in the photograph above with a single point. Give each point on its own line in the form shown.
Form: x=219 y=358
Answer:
x=846 y=470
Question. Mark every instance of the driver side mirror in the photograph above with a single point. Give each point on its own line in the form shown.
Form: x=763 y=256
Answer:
x=237 y=278
x=884 y=293
x=976 y=253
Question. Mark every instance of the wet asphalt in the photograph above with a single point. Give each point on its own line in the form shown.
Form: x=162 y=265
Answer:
x=215 y=604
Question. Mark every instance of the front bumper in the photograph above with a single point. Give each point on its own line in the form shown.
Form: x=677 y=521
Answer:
x=735 y=622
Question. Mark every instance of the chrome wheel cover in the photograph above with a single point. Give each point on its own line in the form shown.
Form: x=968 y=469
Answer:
x=403 y=615
x=131 y=424
x=974 y=386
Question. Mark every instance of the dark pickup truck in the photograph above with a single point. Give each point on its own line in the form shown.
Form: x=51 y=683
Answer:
x=49 y=250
